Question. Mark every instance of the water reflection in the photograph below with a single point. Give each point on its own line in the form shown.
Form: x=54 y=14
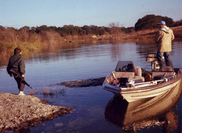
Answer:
x=145 y=114
x=145 y=49
x=81 y=51
x=113 y=51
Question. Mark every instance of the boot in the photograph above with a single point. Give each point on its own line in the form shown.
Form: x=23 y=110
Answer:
x=21 y=93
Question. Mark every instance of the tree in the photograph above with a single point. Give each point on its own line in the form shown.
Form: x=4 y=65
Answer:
x=41 y=28
x=10 y=35
x=87 y=29
x=24 y=33
x=151 y=21
x=114 y=28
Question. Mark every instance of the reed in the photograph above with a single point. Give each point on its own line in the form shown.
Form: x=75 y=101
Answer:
x=53 y=92
x=45 y=92
x=48 y=92
x=33 y=91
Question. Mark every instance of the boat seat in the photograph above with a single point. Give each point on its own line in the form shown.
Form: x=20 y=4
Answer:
x=128 y=75
x=138 y=79
x=138 y=71
x=138 y=75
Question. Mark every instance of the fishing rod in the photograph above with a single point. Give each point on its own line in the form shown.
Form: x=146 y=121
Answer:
x=19 y=75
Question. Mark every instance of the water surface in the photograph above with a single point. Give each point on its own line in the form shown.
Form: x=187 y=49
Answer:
x=83 y=62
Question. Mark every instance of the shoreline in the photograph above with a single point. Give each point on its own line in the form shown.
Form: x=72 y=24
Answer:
x=143 y=36
x=22 y=112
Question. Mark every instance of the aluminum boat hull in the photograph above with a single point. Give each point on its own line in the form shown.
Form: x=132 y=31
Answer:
x=133 y=94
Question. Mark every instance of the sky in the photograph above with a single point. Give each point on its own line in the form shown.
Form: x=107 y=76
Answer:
x=32 y=13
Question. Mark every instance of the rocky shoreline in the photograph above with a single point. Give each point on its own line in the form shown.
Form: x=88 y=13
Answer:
x=84 y=82
x=21 y=112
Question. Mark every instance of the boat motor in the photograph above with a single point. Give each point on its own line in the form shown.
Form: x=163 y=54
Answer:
x=154 y=62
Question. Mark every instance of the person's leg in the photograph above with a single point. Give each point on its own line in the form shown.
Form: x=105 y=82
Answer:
x=21 y=85
x=167 y=59
x=18 y=82
x=160 y=59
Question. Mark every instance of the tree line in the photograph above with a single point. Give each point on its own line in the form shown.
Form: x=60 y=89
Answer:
x=62 y=31
x=52 y=33
x=36 y=38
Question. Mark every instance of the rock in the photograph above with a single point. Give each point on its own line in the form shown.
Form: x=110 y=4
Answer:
x=17 y=112
x=84 y=83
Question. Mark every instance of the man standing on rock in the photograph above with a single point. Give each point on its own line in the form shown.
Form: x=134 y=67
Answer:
x=164 y=39
x=16 y=62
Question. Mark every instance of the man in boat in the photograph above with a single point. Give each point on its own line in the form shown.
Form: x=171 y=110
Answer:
x=16 y=63
x=164 y=39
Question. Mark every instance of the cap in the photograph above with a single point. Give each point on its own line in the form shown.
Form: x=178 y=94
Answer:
x=162 y=22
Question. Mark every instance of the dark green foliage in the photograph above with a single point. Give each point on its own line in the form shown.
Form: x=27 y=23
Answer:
x=177 y=23
x=151 y=21
x=128 y=30
x=73 y=30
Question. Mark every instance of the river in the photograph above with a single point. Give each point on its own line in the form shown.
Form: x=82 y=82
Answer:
x=83 y=61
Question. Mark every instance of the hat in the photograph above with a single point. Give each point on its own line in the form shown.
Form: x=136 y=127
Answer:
x=162 y=22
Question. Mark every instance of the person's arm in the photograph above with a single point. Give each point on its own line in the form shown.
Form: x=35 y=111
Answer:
x=8 y=69
x=22 y=67
x=159 y=36
x=172 y=36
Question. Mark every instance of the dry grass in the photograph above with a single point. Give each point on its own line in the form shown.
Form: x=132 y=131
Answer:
x=48 y=91
x=33 y=91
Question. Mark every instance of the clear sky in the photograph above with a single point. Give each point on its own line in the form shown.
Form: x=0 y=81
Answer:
x=19 y=13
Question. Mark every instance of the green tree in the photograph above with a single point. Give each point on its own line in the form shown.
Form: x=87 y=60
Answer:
x=41 y=28
x=151 y=21
x=87 y=29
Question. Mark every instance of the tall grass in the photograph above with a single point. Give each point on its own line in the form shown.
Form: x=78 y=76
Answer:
x=47 y=91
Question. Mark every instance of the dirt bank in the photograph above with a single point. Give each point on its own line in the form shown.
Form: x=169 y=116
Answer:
x=20 y=112
x=140 y=37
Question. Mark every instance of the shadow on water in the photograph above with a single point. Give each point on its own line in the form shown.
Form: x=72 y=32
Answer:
x=146 y=115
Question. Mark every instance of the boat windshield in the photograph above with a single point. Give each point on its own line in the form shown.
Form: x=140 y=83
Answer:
x=125 y=66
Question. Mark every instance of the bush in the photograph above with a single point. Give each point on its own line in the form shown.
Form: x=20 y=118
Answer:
x=151 y=21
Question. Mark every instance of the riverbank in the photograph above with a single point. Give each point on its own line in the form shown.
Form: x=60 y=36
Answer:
x=21 y=112
x=147 y=36
x=55 y=42
x=143 y=36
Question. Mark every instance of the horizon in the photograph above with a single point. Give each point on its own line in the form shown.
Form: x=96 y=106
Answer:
x=35 y=13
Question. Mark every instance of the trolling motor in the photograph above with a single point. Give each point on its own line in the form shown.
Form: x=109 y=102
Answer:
x=154 y=62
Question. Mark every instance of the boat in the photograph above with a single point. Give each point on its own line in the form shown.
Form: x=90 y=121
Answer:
x=134 y=83
x=145 y=113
